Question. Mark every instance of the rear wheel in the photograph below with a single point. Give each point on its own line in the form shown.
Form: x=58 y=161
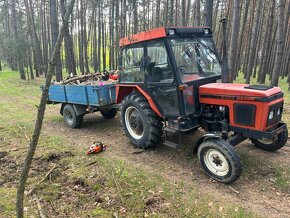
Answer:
x=142 y=126
x=109 y=113
x=220 y=160
x=270 y=145
x=71 y=119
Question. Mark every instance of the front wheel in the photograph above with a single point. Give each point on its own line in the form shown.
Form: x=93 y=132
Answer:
x=270 y=145
x=142 y=126
x=220 y=160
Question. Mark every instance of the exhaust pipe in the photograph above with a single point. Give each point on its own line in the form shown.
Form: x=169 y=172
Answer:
x=225 y=65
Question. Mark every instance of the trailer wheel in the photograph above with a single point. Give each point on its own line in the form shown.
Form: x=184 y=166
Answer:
x=142 y=126
x=220 y=160
x=109 y=113
x=269 y=145
x=71 y=119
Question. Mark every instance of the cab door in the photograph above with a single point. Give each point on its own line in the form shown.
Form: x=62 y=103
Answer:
x=160 y=80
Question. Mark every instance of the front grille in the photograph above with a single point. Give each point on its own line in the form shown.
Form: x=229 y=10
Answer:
x=245 y=114
x=275 y=113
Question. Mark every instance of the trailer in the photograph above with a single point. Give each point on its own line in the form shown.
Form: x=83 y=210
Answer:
x=79 y=100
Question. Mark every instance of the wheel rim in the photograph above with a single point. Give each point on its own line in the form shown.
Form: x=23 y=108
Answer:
x=69 y=116
x=134 y=122
x=266 y=141
x=216 y=162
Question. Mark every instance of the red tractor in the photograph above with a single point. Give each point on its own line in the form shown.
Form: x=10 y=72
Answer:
x=168 y=84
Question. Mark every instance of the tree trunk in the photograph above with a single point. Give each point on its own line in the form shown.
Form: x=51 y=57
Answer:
x=183 y=12
x=95 y=58
x=80 y=38
x=267 y=42
x=40 y=116
x=18 y=49
x=54 y=35
x=279 y=44
x=234 y=40
x=157 y=20
x=68 y=44
x=254 y=39
x=208 y=12
x=45 y=40
x=171 y=18
x=33 y=36
x=84 y=37
x=197 y=13
x=241 y=38
x=117 y=22
x=135 y=16
x=99 y=34
x=30 y=63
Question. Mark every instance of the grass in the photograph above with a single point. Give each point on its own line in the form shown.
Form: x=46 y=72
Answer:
x=109 y=187
x=282 y=177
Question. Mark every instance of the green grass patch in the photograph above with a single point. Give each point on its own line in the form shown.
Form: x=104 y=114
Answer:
x=282 y=178
x=7 y=202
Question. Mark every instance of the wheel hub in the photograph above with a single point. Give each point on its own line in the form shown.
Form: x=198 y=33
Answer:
x=134 y=122
x=216 y=162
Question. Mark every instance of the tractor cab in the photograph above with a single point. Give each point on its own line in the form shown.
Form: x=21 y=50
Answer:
x=170 y=64
x=168 y=86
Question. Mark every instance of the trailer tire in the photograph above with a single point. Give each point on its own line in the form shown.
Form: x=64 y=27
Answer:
x=274 y=146
x=109 y=113
x=71 y=119
x=220 y=160
x=141 y=124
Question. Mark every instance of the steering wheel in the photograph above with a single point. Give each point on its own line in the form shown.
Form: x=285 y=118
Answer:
x=182 y=68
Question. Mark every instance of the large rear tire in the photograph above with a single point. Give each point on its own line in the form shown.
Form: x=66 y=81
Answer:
x=220 y=160
x=269 y=145
x=71 y=119
x=141 y=124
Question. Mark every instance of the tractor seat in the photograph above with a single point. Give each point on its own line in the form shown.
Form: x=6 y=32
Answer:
x=155 y=74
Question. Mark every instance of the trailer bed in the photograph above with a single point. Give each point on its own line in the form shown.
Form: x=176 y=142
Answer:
x=89 y=95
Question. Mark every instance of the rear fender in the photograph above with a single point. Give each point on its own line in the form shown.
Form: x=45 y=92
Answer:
x=79 y=109
x=61 y=109
x=205 y=137
x=123 y=90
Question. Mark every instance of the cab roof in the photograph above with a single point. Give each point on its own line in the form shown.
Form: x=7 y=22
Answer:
x=163 y=32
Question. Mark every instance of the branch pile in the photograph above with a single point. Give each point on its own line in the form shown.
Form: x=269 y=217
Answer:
x=103 y=78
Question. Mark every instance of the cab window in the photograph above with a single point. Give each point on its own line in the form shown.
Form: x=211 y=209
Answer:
x=134 y=64
x=158 y=69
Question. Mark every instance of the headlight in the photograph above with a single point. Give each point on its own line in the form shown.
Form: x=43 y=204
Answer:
x=271 y=115
x=222 y=108
x=279 y=111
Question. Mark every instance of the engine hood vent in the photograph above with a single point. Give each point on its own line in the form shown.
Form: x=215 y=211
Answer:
x=259 y=87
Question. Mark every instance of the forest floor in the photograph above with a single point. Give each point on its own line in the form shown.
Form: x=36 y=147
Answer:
x=124 y=181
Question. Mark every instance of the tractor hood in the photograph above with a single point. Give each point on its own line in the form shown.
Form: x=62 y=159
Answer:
x=240 y=91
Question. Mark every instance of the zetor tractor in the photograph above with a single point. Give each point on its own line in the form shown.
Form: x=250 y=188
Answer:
x=168 y=84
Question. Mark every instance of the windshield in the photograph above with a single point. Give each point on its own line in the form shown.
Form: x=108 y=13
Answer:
x=195 y=58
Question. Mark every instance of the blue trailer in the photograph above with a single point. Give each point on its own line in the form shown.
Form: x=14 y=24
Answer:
x=78 y=100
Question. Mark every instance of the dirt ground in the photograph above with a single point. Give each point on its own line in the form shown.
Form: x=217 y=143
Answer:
x=255 y=190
